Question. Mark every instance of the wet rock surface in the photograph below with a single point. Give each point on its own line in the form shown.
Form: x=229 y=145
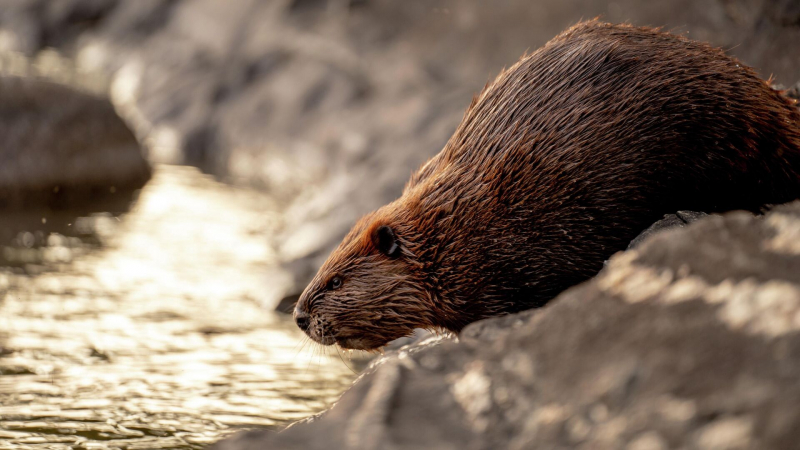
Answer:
x=330 y=105
x=689 y=341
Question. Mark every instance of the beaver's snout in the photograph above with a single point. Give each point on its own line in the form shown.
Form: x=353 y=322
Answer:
x=302 y=319
x=313 y=327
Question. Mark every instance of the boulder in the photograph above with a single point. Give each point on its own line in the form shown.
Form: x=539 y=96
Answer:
x=59 y=146
x=691 y=340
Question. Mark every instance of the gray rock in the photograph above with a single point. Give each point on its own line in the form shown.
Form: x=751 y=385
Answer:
x=678 y=220
x=692 y=340
x=59 y=146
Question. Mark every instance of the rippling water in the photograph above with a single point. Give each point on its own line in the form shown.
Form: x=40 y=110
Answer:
x=144 y=330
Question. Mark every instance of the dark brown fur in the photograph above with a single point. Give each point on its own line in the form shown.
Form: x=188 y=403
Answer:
x=557 y=164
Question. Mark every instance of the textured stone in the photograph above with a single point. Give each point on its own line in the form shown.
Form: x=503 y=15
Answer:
x=687 y=341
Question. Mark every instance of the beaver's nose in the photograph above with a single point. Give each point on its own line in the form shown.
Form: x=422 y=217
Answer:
x=302 y=319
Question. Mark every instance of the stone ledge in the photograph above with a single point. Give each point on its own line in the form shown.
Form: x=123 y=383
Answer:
x=689 y=341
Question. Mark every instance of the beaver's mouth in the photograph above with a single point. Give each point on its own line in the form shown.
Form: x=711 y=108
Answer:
x=323 y=333
x=321 y=338
x=324 y=340
x=348 y=342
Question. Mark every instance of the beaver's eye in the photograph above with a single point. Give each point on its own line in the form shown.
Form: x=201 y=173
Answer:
x=335 y=283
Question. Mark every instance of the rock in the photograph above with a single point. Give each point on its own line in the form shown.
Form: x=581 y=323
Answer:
x=794 y=91
x=37 y=24
x=691 y=340
x=287 y=304
x=331 y=104
x=61 y=146
x=678 y=220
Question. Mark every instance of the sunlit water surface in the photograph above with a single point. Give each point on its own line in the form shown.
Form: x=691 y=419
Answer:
x=145 y=331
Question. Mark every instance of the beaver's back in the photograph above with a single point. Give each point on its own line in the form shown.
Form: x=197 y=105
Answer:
x=614 y=92
x=571 y=152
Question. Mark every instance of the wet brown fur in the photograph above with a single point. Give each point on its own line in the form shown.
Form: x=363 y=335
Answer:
x=558 y=163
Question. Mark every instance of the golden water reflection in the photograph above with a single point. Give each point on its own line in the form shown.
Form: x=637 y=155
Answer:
x=156 y=339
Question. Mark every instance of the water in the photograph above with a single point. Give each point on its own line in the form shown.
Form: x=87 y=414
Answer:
x=143 y=329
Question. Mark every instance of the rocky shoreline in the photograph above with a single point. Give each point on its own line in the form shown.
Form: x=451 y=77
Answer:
x=692 y=340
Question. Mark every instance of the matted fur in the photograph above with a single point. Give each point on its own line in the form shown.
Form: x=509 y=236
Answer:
x=560 y=162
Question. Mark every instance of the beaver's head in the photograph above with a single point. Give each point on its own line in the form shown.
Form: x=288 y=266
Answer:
x=368 y=292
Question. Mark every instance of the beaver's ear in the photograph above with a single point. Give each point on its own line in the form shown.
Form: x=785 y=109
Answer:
x=386 y=241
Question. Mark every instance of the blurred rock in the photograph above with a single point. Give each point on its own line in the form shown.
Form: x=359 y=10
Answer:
x=690 y=341
x=61 y=146
x=794 y=91
x=331 y=104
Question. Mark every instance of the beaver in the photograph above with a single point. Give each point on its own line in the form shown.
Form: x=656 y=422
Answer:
x=557 y=164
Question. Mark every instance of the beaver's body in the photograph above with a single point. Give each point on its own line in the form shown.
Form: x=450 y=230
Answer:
x=558 y=164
